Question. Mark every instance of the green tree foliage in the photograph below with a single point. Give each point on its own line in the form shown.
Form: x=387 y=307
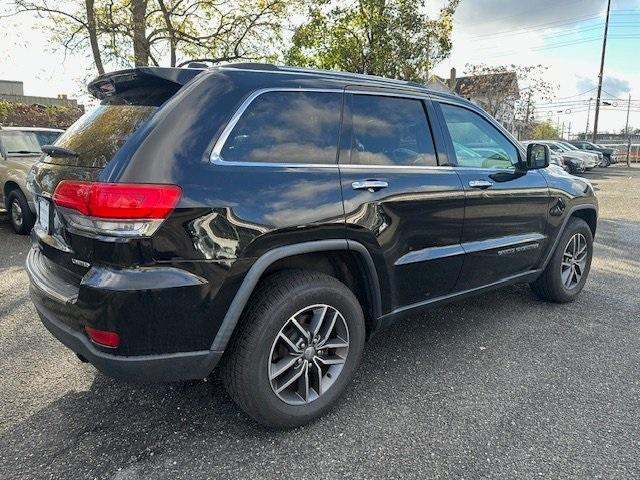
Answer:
x=544 y=131
x=390 y=38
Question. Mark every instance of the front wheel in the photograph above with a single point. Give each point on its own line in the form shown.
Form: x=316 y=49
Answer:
x=566 y=273
x=296 y=349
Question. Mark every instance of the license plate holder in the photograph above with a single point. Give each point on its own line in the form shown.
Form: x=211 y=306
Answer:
x=44 y=213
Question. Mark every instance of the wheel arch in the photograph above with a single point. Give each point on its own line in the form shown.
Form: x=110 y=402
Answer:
x=9 y=186
x=367 y=286
x=586 y=212
x=589 y=215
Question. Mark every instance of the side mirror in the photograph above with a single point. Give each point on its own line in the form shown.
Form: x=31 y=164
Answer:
x=538 y=156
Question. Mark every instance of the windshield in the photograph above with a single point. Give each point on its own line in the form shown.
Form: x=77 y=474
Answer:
x=554 y=146
x=569 y=146
x=16 y=143
x=100 y=133
x=47 y=138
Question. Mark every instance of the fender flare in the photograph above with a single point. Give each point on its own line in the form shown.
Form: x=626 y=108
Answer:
x=568 y=216
x=254 y=274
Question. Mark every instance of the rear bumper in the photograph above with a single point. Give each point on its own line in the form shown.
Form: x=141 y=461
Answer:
x=141 y=368
x=64 y=313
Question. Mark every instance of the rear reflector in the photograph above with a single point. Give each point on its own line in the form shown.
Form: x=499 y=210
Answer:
x=116 y=209
x=103 y=338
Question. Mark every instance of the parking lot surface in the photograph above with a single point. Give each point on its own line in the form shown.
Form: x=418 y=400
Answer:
x=497 y=386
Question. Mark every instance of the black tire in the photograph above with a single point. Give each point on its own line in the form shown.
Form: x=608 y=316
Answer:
x=20 y=215
x=549 y=286
x=246 y=364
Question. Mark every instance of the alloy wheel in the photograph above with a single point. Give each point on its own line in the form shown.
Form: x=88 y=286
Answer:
x=308 y=354
x=574 y=261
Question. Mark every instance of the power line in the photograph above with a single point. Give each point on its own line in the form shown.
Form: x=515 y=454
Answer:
x=563 y=44
x=532 y=10
x=577 y=31
x=541 y=26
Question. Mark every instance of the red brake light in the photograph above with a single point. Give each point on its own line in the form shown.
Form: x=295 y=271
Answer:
x=118 y=201
x=103 y=338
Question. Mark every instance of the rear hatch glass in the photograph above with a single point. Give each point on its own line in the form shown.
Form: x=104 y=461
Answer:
x=128 y=100
x=100 y=133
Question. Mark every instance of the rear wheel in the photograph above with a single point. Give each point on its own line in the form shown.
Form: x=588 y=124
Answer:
x=20 y=215
x=296 y=349
x=567 y=271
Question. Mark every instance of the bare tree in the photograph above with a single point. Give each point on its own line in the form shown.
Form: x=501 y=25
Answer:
x=139 y=32
x=74 y=24
x=148 y=32
x=516 y=86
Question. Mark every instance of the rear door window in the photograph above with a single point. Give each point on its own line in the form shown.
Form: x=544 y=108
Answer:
x=390 y=131
x=287 y=127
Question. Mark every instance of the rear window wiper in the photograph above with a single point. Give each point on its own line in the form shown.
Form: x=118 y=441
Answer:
x=54 y=151
x=24 y=152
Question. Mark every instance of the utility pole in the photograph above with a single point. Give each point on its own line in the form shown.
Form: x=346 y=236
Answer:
x=604 y=49
x=562 y=134
x=626 y=130
x=569 y=132
x=586 y=130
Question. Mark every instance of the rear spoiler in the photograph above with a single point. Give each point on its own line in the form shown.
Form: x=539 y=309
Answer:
x=139 y=82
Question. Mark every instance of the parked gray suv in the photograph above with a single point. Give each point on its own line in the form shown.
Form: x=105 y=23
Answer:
x=20 y=148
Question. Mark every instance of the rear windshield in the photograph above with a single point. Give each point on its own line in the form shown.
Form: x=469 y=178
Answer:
x=100 y=133
x=17 y=143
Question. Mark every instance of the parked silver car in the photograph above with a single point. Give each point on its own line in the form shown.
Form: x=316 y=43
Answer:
x=20 y=148
x=588 y=161
x=598 y=156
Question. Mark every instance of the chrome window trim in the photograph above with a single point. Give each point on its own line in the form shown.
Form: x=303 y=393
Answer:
x=395 y=167
x=382 y=93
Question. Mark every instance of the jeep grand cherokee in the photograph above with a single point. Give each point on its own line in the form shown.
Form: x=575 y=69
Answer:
x=272 y=219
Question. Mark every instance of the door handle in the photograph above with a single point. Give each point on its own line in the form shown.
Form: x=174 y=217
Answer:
x=371 y=185
x=480 y=183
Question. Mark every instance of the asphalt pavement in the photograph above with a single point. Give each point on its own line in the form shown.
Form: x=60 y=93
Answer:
x=499 y=386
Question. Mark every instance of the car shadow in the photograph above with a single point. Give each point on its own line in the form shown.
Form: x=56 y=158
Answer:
x=452 y=367
x=117 y=427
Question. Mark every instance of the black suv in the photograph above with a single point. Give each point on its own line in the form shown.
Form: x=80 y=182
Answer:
x=272 y=219
x=609 y=154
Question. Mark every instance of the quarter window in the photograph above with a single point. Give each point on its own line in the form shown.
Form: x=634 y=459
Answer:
x=287 y=127
x=390 y=131
x=476 y=142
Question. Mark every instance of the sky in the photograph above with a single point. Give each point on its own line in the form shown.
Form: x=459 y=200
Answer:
x=566 y=37
x=563 y=35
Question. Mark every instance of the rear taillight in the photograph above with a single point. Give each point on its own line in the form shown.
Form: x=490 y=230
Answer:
x=115 y=209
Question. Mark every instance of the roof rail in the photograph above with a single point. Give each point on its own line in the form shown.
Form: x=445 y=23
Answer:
x=314 y=71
